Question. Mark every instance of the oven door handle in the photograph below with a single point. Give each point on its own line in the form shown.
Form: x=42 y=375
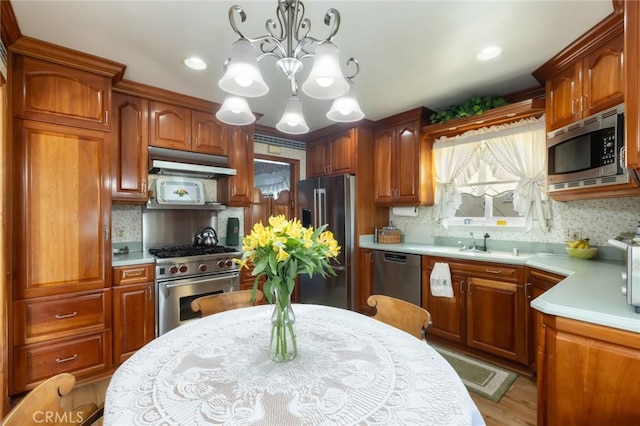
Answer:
x=191 y=281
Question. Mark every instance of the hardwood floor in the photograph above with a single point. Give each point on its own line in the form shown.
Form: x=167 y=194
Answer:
x=517 y=406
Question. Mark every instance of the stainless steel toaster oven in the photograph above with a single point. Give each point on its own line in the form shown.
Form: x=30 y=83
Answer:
x=631 y=276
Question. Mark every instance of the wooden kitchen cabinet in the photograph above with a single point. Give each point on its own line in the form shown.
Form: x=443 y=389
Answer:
x=632 y=82
x=487 y=311
x=133 y=309
x=587 y=374
x=365 y=272
x=332 y=155
x=587 y=77
x=62 y=210
x=537 y=282
x=61 y=309
x=129 y=148
x=238 y=190
x=46 y=91
x=186 y=129
x=402 y=161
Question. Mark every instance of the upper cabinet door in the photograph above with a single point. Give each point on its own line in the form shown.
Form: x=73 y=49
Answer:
x=342 y=153
x=209 y=135
x=603 y=77
x=563 y=95
x=129 y=152
x=407 y=163
x=238 y=190
x=383 y=159
x=317 y=158
x=170 y=126
x=49 y=92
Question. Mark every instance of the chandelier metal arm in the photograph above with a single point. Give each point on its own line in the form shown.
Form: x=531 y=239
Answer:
x=291 y=25
x=354 y=61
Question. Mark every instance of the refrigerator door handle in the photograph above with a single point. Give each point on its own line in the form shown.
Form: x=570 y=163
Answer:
x=321 y=207
x=339 y=268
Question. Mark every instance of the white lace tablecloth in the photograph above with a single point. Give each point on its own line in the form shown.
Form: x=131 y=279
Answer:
x=350 y=370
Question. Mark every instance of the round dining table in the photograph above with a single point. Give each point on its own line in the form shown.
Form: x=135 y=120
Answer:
x=350 y=369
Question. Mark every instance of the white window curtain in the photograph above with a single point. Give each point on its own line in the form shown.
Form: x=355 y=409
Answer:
x=449 y=162
x=524 y=154
x=516 y=149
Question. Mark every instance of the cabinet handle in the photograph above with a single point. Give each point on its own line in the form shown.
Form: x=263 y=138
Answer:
x=144 y=186
x=106 y=117
x=329 y=169
x=106 y=234
x=129 y=274
x=493 y=271
x=469 y=287
x=58 y=316
x=573 y=109
x=526 y=291
x=581 y=103
x=370 y=257
x=71 y=358
x=461 y=284
x=148 y=293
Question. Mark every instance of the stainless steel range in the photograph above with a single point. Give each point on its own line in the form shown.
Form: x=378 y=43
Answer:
x=186 y=272
x=189 y=262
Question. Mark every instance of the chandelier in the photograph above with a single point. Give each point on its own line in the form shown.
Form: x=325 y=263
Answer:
x=289 y=42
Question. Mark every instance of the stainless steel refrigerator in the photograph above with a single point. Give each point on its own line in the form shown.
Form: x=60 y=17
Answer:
x=330 y=201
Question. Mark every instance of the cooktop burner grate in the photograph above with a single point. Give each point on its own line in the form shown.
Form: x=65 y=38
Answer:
x=187 y=250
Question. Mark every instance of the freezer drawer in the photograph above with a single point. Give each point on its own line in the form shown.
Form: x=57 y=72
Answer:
x=397 y=275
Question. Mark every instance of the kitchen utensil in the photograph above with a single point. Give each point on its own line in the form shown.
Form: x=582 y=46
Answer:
x=207 y=237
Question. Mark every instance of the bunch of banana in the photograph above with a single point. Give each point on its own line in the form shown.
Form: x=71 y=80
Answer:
x=581 y=244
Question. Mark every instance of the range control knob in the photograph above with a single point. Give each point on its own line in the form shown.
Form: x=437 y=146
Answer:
x=220 y=263
x=173 y=269
x=228 y=263
x=202 y=267
x=183 y=268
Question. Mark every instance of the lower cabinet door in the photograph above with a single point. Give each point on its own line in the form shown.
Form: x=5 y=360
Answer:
x=81 y=355
x=133 y=319
x=447 y=313
x=495 y=318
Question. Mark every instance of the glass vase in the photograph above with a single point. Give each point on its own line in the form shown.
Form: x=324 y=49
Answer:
x=283 y=346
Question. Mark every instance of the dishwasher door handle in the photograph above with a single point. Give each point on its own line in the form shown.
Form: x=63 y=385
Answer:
x=395 y=258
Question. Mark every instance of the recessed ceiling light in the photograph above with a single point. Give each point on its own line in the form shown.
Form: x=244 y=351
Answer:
x=195 y=63
x=489 y=52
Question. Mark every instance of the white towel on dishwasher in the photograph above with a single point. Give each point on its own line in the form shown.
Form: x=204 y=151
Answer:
x=441 y=280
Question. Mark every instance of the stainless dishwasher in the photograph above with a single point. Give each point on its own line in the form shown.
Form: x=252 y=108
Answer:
x=397 y=275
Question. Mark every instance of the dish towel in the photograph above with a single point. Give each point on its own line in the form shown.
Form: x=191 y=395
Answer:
x=441 y=280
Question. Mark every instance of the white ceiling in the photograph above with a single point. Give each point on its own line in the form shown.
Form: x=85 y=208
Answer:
x=411 y=53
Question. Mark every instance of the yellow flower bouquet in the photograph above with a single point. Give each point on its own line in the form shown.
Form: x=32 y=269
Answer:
x=280 y=251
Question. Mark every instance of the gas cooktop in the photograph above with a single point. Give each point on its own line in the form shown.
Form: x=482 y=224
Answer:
x=188 y=250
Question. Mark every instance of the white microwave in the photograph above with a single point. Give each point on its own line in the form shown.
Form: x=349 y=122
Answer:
x=588 y=153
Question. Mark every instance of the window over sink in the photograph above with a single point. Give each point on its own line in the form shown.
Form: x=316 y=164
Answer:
x=493 y=177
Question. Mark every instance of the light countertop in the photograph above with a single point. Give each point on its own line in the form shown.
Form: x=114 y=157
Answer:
x=131 y=258
x=591 y=292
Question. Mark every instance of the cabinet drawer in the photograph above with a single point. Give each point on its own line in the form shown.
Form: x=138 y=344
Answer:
x=44 y=318
x=135 y=274
x=81 y=356
x=489 y=270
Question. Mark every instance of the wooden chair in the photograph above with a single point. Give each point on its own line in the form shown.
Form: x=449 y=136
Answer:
x=43 y=405
x=400 y=314
x=215 y=303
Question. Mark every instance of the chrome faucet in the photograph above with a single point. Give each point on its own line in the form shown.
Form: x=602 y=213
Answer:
x=484 y=245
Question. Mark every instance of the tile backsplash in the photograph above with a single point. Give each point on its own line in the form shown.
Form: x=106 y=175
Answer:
x=598 y=220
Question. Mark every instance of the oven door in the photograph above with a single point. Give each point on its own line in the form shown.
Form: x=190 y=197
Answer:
x=174 y=297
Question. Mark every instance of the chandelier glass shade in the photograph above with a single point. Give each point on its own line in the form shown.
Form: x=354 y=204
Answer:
x=235 y=110
x=289 y=42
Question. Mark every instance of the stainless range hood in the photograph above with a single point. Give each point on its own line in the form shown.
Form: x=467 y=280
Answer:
x=164 y=161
